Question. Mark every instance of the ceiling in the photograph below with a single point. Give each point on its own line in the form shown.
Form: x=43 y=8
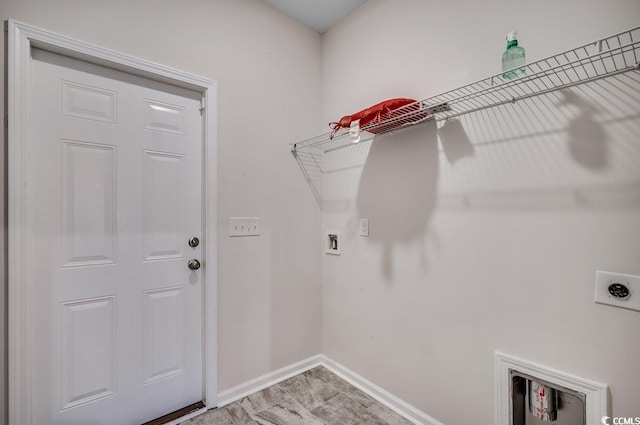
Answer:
x=316 y=14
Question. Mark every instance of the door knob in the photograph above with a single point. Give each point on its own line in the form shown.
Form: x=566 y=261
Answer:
x=194 y=264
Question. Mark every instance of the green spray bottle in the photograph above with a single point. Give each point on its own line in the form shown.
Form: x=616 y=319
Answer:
x=512 y=58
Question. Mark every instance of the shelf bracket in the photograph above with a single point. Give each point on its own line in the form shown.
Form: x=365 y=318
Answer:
x=354 y=131
x=598 y=46
x=440 y=107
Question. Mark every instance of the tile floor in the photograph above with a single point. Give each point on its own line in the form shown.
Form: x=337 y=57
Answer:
x=315 y=397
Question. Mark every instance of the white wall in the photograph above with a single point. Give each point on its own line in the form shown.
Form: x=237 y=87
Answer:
x=493 y=251
x=268 y=72
x=493 y=242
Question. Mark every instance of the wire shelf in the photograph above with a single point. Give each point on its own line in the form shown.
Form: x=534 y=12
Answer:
x=613 y=55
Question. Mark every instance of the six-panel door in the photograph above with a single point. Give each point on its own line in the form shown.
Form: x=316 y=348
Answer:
x=116 y=182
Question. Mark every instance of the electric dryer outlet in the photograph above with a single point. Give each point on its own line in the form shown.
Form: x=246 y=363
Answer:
x=618 y=290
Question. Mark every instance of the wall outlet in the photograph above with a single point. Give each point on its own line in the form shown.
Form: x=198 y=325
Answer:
x=244 y=226
x=364 y=227
x=332 y=242
x=618 y=290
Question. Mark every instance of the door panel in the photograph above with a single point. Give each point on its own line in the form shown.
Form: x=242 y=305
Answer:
x=163 y=208
x=163 y=337
x=164 y=117
x=88 y=204
x=88 y=351
x=88 y=102
x=116 y=181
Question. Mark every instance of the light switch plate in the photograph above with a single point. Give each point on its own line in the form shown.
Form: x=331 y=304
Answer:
x=364 y=227
x=244 y=226
x=618 y=290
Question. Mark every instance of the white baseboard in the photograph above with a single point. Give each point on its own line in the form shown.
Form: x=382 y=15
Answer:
x=381 y=395
x=239 y=391
x=377 y=393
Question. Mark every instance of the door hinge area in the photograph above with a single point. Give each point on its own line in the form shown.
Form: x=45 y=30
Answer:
x=203 y=104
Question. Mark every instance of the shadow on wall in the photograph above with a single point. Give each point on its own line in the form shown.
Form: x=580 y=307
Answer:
x=534 y=130
x=569 y=149
x=454 y=140
x=398 y=187
x=586 y=139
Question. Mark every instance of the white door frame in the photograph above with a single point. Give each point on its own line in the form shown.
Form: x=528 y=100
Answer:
x=22 y=38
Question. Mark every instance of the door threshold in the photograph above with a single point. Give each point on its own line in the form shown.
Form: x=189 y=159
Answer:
x=180 y=413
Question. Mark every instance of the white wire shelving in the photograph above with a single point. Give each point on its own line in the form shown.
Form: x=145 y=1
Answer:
x=610 y=56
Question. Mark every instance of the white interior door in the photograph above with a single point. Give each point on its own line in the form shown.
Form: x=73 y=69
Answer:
x=115 y=195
